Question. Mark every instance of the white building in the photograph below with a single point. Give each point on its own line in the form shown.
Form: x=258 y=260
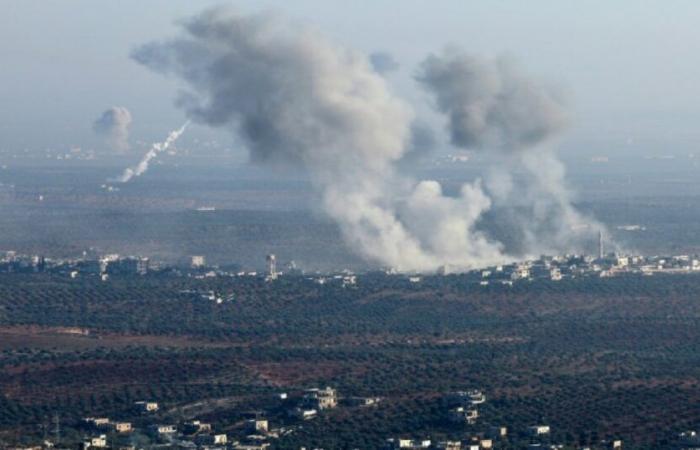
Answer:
x=163 y=429
x=466 y=398
x=303 y=413
x=412 y=444
x=98 y=441
x=146 y=407
x=122 y=427
x=622 y=261
x=539 y=430
x=257 y=426
x=555 y=274
x=521 y=272
x=211 y=439
x=197 y=426
x=322 y=398
x=198 y=261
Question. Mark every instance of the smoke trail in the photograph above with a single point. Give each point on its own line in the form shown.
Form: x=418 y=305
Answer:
x=114 y=125
x=156 y=148
x=493 y=109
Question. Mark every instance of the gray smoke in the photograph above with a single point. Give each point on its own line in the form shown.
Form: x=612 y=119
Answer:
x=383 y=62
x=296 y=97
x=114 y=125
x=490 y=104
x=493 y=109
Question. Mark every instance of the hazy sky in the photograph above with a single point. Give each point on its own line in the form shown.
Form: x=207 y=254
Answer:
x=631 y=67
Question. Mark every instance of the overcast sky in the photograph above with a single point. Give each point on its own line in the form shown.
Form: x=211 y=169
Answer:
x=632 y=67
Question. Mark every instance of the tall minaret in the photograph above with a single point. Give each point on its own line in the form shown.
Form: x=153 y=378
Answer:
x=601 y=249
x=271 y=267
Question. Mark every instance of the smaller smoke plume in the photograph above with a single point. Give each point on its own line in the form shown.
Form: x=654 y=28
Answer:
x=493 y=108
x=114 y=125
x=490 y=104
x=383 y=62
x=158 y=147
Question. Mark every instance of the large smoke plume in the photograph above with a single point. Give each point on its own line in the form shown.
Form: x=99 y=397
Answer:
x=114 y=124
x=295 y=97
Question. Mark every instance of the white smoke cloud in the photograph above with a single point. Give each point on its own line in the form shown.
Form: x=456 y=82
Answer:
x=114 y=125
x=158 y=147
x=295 y=97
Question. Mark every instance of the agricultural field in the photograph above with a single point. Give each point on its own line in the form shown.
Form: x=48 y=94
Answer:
x=592 y=358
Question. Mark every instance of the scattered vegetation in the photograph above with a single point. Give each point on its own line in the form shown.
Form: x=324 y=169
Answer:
x=591 y=358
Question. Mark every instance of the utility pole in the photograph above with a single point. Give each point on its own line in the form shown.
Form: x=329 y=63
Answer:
x=56 y=428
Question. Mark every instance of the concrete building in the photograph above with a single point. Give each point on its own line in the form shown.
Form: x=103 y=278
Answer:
x=211 y=439
x=465 y=398
x=122 y=427
x=485 y=444
x=96 y=422
x=197 y=261
x=321 y=398
x=257 y=426
x=410 y=444
x=622 y=261
x=520 y=272
x=95 y=442
x=142 y=266
x=271 y=266
x=114 y=265
x=159 y=430
x=146 y=407
x=196 y=426
x=538 y=430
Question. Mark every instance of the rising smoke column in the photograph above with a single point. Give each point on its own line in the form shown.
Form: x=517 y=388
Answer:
x=296 y=98
x=114 y=124
x=155 y=149
x=509 y=118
